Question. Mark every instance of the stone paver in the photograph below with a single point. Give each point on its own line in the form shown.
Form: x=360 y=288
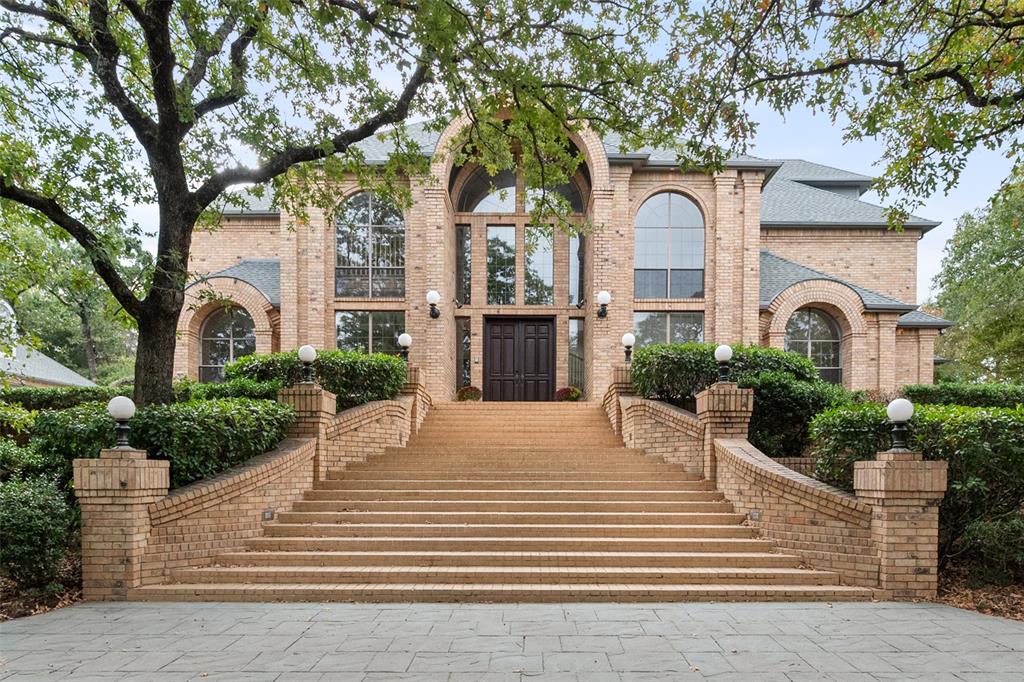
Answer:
x=518 y=642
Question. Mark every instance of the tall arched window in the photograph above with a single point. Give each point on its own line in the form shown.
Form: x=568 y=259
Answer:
x=815 y=334
x=669 y=248
x=370 y=249
x=227 y=334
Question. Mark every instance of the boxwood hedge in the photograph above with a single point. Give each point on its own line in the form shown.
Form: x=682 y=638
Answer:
x=34 y=521
x=59 y=397
x=970 y=395
x=355 y=378
x=187 y=389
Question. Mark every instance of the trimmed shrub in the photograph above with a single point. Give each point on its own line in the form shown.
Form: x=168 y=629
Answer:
x=569 y=394
x=971 y=395
x=17 y=461
x=187 y=390
x=355 y=378
x=15 y=421
x=469 y=393
x=995 y=548
x=783 y=410
x=60 y=397
x=200 y=438
x=34 y=521
x=675 y=372
x=983 y=445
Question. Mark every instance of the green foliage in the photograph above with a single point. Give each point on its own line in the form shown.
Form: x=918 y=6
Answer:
x=17 y=461
x=783 y=409
x=186 y=390
x=469 y=393
x=60 y=397
x=15 y=420
x=34 y=521
x=355 y=378
x=984 y=447
x=994 y=548
x=200 y=438
x=569 y=394
x=970 y=395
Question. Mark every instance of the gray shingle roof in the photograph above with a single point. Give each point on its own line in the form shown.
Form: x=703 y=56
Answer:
x=31 y=364
x=778 y=274
x=919 y=318
x=262 y=273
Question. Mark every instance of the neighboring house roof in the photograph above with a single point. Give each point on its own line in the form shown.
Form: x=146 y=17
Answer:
x=35 y=366
x=919 y=318
x=262 y=273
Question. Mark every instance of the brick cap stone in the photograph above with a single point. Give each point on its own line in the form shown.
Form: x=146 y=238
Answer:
x=308 y=398
x=110 y=476
x=725 y=396
x=900 y=475
x=122 y=453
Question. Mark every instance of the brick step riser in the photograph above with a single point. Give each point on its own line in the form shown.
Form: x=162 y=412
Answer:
x=521 y=518
x=540 y=530
x=520 y=476
x=332 y=501
x=487 y=593
x=543 y=466
x=498 y=543
x=501 y=575
x=337 y=480
x=505 y=452
x=577 y=496
x=548 y=559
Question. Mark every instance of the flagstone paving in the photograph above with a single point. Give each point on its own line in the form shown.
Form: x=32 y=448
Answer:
x=168 y=642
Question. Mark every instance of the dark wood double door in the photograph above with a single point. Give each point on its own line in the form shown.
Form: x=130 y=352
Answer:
x=519 y=358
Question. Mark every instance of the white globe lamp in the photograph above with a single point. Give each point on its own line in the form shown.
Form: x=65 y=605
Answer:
x=121 y=408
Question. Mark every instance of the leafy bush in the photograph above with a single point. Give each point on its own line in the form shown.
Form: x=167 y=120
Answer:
x=15 y=421
x=60 y=397
x=674 y=372
x=34 y=521
x=996 y=548
x=187 y=390
x=983 y=445
x=200 y=438
x=783 y=409
x=17 y=461
x=971 y=395
x=569 y=394
x=355 y=378
x=469 y=393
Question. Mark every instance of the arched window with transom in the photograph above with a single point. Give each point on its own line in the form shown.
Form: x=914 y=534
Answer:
x=227 y=334
x=815 y=334
x=369 y=249
x=669 y=248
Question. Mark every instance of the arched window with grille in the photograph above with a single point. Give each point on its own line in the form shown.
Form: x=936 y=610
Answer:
x=816 y=335
x=669 y=248
x=369 y=249
x=227 y=334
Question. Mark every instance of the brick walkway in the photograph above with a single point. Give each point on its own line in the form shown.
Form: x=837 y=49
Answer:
x=591 y=642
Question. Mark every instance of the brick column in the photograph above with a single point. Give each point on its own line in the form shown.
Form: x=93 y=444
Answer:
x=115 y=492
x=905 y=493
x=315 y=409
x=724 y=409
x=415 y=388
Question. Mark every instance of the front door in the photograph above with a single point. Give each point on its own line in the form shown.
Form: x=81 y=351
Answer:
x=519 y=358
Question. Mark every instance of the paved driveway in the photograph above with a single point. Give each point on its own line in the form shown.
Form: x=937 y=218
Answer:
x=591 y=642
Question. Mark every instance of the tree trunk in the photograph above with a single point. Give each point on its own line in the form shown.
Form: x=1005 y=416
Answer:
x=154 y=359
x=88 y=343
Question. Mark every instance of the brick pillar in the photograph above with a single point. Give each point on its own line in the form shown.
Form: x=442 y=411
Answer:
x=904 y=492
x=115 y=492
x=724 y=409
x=415 y=388
x=314 y=408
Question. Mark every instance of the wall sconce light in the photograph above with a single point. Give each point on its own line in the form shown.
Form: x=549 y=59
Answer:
x=307 y=354
x=900 y=411
x=628 y=341
x=603 y=299
x=723 y=354
x=122 y=409
x=404 y=340
x=433 y=298
x=458 y=304
x=583 y=302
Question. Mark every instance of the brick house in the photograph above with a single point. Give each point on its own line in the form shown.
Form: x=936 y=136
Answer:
x=783 y=253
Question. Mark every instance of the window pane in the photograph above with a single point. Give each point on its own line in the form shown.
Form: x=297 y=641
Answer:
x=485 y=194
x=501 y=264
x=833 y=375
x=650 y=283
x=353 y=330
x=540 y=267
x=369 y=249
x=211 y=375
x=242 y=325
x=651 y=249
x=385 y=213
x=796 y=346
x=242 y=347
x=686 y=327
x=825 y=353
x=462 y=353
x=388 y=283
x=650 y=328
x=684 y=213
x=687 y=249
x=569 y=191
x=798 y=326
x=821 y=327
x=654 y=212
x=463 y=263
x=352 y=282
x=386 y=326
x=218 y=325
x=352 y=242
x=576 y=360
x=576 y=251
x=687 y=284
x=216 y=352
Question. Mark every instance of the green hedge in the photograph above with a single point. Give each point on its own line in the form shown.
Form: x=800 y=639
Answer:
x=355 y=378
x=60 y=397
x=34 y=521
x=995 y=549
x=983 y=445
x=970 y=395
x=15 y=421
x=200 y=438
x=17 y=461
x=187 y=390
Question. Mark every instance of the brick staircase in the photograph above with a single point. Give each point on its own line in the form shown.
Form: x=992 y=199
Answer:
x=508 y=502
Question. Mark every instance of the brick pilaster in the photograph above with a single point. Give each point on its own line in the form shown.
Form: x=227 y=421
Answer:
x=114 y=492
x=904 y=493
x=724 y=409
x=315 y=409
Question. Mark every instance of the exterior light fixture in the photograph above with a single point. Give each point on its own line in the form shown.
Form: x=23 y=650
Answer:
x=900 y=411
x=723 y=354
x=404 y=340
x=121 y=409
x=582 y=302
x=603 y=299
x=458 y=304
x=628 y=341
x=433 y=298
x=307 y=354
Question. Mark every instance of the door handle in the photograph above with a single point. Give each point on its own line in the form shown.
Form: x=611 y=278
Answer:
x=518 y=377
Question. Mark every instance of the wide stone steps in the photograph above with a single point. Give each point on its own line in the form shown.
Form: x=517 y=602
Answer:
x=505 y=503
